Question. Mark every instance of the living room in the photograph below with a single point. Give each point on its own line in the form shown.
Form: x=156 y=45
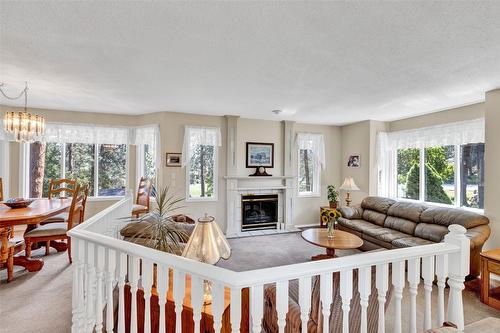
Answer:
x=249 y=129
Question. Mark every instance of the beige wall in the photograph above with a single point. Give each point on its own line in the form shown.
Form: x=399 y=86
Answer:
x=356 y=140
x=492 y=166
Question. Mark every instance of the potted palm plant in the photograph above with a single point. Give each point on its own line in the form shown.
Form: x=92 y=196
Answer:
x=333 y=196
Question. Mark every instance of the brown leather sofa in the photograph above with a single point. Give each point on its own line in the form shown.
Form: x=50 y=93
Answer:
x=388 y=223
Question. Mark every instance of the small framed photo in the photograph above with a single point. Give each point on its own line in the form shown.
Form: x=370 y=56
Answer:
x=174 y=159
x=354 y=161
x=260 y=154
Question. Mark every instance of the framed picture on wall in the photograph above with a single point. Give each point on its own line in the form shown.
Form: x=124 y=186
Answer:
x=260 y=154
x=354 y=161
x=174 y=159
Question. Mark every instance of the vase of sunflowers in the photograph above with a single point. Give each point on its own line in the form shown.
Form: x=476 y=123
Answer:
x=333 y=216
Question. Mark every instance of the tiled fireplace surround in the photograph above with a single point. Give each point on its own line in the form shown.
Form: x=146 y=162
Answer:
x=239 y=183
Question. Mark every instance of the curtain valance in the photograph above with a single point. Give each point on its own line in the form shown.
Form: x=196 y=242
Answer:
x=198 y=135
x=314 y=142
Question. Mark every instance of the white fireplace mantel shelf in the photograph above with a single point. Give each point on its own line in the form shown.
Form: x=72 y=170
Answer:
x=261 y=188
x=258 y=177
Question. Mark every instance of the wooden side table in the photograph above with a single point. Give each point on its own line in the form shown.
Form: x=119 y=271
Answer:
x=490 y=263
x=324 y=215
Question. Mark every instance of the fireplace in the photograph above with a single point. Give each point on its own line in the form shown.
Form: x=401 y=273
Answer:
x=259 y=211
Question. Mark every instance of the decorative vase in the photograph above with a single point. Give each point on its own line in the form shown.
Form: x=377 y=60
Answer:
x=331 y=229
x=333 y=204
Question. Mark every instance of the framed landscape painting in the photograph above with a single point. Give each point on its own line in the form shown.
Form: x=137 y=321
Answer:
x=260 y=154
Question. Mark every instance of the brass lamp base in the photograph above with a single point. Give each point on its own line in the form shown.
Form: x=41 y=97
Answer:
x=348 y=199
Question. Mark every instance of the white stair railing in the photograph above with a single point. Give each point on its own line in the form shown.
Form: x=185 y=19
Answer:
x=103 y=262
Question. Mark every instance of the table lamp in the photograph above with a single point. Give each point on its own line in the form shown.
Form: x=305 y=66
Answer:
x=207 y=244
x=349 y=185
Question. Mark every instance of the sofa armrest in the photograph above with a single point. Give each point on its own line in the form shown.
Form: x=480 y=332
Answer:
x=352 y=212
x=478 y=236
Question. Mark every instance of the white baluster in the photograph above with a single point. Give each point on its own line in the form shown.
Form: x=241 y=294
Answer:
x=110 y=279
x=162 y=287
x=179 y=284
x=217 y=305
x=365 y=288
x=325 y=292
x=256 y=307
x=90 y=289
x=458 y=269
x=81 y=285
x=235 y=310
x=428 y=275
x=282 y=303
x=147 y=282
x=76 y=284
x=197 y=300
x=121 y=271
x=382 y=284
x=346 y=295
x=442 y=274
x=100 y=258
x=304 y=301
x=413 y=281
x=133 y=280
x=398 y=281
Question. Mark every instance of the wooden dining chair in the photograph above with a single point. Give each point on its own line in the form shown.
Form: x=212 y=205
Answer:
x=9 y=247
x=60 y=188
x=58 y=230
x=141 y=205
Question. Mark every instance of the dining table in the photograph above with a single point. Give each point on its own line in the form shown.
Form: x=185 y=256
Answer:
x=38 y=211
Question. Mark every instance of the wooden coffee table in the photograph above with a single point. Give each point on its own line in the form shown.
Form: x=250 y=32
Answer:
x=341 y=240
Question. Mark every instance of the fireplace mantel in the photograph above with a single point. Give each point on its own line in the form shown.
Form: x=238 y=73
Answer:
x=258 y=177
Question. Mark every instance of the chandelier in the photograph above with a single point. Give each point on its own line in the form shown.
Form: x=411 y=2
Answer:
x=25 y=126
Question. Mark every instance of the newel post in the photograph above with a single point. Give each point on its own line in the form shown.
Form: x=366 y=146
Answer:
x=458 y=269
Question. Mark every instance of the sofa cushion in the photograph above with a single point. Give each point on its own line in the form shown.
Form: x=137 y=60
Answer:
x=375 y=230
x=374 y=216
x=410 y=241
x=358 y=225
x=432 y=232
x=446 y=216
x=378 y=204
x=391 y=236
x=407 y=210
x=351 y=212
x=399 y=224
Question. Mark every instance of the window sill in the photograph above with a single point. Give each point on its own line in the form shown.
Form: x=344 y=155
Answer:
x=201 y=199
x=308 y=195
x=114 y=198
x=436 y=204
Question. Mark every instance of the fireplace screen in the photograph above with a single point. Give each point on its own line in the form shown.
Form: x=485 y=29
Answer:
x=259 y=211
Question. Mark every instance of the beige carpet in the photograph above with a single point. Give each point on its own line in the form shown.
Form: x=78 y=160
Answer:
x=41 y=302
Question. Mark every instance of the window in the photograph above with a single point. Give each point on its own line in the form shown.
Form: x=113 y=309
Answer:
x=454 y=174
x=102 y=167
x=200 y=159
x=310 y=159
x=147 y=142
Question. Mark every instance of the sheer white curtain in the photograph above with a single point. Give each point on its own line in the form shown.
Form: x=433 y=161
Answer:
x=198 y=135
x=148 y=135
x=86 y=133
x=314 y=142
x=457 y=133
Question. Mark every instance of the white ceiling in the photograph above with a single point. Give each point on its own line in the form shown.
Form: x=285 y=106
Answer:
x=327 y=62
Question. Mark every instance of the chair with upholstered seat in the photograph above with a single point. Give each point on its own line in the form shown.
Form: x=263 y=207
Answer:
x=58 y=230
x=141 y=205
x=62 y=188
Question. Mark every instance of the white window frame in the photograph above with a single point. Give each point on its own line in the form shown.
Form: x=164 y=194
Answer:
x=316 y=179
x=422 y=189
x=215 y=197
x=24 y=171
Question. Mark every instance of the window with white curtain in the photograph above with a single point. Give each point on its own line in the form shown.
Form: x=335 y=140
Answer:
x=311 y=158
x=147 y=143
x=441 y=164
x=200 y=157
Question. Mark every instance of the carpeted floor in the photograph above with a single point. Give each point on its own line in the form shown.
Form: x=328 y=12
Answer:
x=41 y=302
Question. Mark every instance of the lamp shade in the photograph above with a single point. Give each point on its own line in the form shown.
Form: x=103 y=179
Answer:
x=207 y=242
x=349 y=185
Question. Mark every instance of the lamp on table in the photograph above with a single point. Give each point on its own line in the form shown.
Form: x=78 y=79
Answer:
x=349 y=185
x=207 y=244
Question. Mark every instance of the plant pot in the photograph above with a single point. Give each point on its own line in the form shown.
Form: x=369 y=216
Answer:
x=333 y=205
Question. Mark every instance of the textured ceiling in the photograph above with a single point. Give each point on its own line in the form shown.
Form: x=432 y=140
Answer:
x=323 y=62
